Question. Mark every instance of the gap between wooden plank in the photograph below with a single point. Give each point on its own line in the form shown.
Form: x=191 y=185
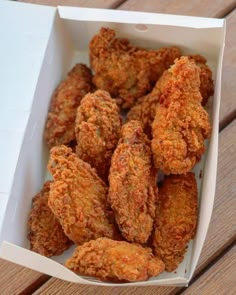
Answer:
x=228 y=102
x=227 y=11
x=107 y=4
x=217 y=9
x=211 y=264
x=219 y=279
x=35 y=285
x=231 y=117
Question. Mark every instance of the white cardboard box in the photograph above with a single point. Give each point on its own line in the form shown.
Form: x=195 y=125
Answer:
x=38 y=45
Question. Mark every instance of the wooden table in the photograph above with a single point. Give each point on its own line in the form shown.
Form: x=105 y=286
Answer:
x=216 y=271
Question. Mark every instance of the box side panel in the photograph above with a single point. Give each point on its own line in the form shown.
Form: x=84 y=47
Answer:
x=31 y=167
x=210 y=169
x=132 y=17
x=46 y=265
x=24 y=35
x=207 y=42
x=190 y=40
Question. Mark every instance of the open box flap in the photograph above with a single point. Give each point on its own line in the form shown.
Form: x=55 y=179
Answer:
x=104 y=15
x=210 y=170
x=46 y=265
x=24 y=34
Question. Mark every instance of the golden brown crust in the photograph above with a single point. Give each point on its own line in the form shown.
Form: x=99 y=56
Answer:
x=133 y=190
x=181 y=123
x=116 y=261
x=59 y=127
x=145 y=108
x=78 y=197
x=176 y=218
x=125 y=71
x=206 y=81
x=97 y=130
x=46 y=235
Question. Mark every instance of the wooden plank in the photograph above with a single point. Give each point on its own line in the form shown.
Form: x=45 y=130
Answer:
x=224 y=207
x=208 y=8
x=16 y=279
x=228 y=101
x=55 y=287
x=221 y=231
x=219 y=279
x=80 y=3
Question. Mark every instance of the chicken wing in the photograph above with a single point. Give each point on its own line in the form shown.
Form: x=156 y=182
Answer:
x=97 y=130
x=206 y=81
x=133 y=189
x=176 y=218
x=125 y=71
x=181 y=123
x=145 y=108
x=78 y=197
x=59 y=127
x=46 y=235
x=116 y=261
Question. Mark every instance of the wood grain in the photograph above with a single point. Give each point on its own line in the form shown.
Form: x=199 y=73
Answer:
x=219 y=279
x=221 y=231
x=207 y=8
x=16 y=279
x=228 y=101
x=223 y=221
x=58 y=287
x=80 y=3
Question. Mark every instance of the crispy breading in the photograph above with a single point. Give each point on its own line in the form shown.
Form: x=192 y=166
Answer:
x=46 y=235
x=145 y=108
x=97 y=130
x=206 y=81
x=125 y=71
x=133 y=188
x=78 y=197
x=116 y=261
x=176 y=218
x=59 y=127
x=181 y=123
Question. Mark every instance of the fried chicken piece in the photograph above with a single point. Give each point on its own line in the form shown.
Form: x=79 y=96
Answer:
x=97 y=130
x=46 y=235
x=116 y=261
x=59 y=127
x=176 y=218
x=133 y=190
x=125 y=71
x=145 y=108
x=78 y=197
x=181 y=123
x=206 y=81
